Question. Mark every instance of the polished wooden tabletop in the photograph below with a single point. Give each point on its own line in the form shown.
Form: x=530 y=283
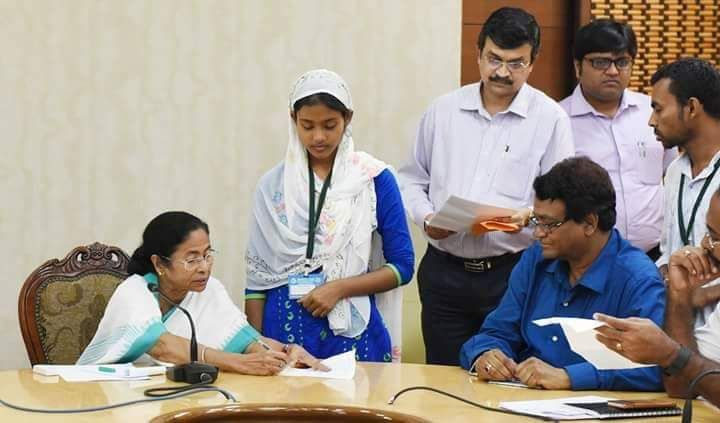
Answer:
x=372 y=386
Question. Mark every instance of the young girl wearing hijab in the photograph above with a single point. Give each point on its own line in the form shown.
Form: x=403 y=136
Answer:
x=328 y=235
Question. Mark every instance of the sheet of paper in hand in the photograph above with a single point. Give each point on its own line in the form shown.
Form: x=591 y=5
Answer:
x=461 y=215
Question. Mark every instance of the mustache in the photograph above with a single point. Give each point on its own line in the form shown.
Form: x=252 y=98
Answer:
x=499 y=80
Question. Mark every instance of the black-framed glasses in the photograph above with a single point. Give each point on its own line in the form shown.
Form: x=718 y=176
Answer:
x=193 y=263
x=512 y=66
x=547 y=228
x=603 y=63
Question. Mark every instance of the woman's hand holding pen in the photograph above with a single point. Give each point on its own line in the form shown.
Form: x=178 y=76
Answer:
x=266 y=362
x=321 y=300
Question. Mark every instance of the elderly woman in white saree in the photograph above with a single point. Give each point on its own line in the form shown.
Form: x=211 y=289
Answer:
x=176 y=258
x=329 y=241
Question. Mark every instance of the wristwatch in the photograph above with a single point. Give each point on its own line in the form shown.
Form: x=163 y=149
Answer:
x=681 y=360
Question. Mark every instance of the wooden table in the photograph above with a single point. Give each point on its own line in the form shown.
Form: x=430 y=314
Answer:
x=372 y=387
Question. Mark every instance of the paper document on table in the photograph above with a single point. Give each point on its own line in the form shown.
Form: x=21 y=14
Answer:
x=342 y=366
x=459 y=215
x=558 y=408
x=98 y=372
x=510 y=383
x=581 y=337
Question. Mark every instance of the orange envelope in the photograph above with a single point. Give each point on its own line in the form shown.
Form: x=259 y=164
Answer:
x=493 y=225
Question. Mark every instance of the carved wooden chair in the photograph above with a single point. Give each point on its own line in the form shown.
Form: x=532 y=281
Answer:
x=62 y=301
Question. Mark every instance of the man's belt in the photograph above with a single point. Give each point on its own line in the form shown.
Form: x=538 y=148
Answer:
x=479 y=265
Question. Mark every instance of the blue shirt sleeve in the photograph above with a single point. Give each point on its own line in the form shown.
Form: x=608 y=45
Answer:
x=392 y=226
x=502 y=327
x=646 y=298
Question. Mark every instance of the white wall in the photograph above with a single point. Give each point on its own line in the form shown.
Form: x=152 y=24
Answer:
x=113 y=111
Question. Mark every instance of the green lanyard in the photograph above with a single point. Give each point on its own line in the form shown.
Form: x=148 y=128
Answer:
x=314 y=216
x=685 y=232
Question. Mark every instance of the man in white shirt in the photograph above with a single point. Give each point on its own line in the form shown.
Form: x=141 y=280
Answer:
x=683 y=351
x=610 y=127
x=485 y=142
x=686 y=114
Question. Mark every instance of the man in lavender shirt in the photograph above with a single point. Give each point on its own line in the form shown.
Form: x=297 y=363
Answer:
x=485 y=142
x=610 y=126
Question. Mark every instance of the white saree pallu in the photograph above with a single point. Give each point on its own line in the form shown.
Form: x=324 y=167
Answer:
x=132 y=323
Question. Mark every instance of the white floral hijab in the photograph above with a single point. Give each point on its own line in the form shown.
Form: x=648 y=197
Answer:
x=279 y=227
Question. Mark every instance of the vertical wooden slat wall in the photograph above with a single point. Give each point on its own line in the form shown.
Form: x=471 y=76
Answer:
x=666 y=30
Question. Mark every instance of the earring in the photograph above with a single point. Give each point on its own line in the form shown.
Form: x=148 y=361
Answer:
x=160 y=273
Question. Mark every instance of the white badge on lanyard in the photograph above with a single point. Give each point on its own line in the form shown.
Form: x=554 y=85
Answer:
x=300 y=284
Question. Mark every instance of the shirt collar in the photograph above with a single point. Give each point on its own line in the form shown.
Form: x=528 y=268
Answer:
x=579 y=105
x=686 y=167
x=470 y=100
x=595 y=278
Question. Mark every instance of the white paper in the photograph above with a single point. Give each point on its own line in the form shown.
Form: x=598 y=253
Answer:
x=342 y=366
x=580 y=334
x=511 y=383
x=91 y=373
x=556 y=408
x=458 y=214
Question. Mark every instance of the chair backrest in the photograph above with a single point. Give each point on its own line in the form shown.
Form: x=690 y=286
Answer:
x=62 y=301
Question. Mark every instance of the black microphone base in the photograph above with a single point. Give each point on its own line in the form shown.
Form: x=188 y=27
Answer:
x=192 y=373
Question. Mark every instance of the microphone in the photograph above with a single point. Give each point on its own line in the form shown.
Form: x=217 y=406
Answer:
x=192 y=372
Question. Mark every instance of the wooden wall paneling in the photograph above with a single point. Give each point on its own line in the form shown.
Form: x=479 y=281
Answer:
x=666 y=30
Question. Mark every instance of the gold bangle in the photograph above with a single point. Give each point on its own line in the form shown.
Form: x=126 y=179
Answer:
x=202 y=354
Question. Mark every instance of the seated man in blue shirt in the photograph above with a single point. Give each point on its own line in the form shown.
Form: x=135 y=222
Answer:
x=579 y=265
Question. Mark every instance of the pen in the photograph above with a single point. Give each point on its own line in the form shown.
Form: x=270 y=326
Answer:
x=263 y=344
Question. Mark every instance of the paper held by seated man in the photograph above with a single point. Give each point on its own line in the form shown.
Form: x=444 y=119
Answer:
x=461 y=215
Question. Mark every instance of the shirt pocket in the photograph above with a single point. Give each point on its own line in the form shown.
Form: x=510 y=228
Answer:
x=650 y=167
x=512 y=178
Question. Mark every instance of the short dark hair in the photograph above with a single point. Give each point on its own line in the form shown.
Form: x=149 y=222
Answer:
x=511 y=27
x=692 y=77
x=325 y=99
x=585 y=188
x=603 y=36
x=161 y=237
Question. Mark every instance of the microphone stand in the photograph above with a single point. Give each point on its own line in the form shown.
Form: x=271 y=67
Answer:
x=192 y=372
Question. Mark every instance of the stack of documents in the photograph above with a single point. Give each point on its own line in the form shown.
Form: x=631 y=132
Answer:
x=342 y=366
x=586 y=407
x=557 y=409
x=102 y=372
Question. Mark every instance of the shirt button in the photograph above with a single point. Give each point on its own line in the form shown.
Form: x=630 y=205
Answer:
x=565 y=304
x=554 y=338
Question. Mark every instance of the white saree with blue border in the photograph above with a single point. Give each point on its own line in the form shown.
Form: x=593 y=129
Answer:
x=133 y=323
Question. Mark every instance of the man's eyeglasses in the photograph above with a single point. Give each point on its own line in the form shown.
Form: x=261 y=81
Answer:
x=192 y=264
x=512 y=66
x=709 y=242
x=547 y=228
x=603 y=63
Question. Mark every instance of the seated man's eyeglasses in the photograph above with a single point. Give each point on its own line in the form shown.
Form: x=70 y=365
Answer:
x=546 y=227
x=603 y=63
x=193 y=263
x=512 y=66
